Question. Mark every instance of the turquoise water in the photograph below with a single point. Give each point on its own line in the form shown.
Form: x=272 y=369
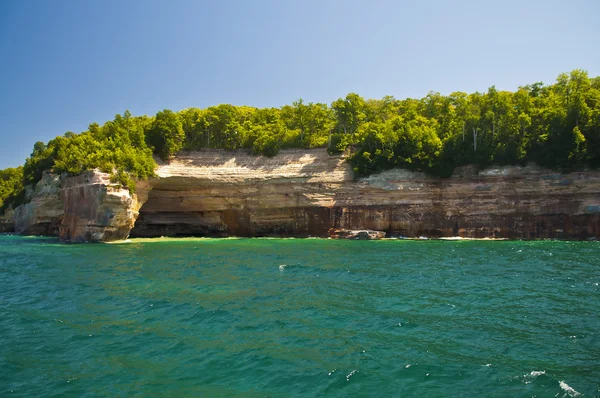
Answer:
x=276 y=317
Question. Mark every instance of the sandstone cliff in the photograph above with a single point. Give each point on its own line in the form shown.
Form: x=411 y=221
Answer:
x=307 y=192
x=43 y=213
x=96 y=210
x=7 y=221
x=85 y=208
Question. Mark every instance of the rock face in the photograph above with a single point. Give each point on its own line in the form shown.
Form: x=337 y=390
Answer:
x=85 y=208
x=7 y=221
x=96 y=210
x=42 y=215
x=307 y=192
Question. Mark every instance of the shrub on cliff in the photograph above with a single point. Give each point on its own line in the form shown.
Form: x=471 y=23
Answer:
x=266 y=145
x=117 y=147
x=11 y=187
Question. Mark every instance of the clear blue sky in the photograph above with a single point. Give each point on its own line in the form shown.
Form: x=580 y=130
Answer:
x=65 y=64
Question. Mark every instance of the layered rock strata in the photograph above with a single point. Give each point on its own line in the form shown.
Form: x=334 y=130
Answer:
x=97 y=210
x=43 y=212
x=85 y=208
x=307 y=192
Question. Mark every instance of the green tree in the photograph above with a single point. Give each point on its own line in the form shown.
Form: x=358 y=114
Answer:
x=11 y=187
x=166 y=135
x=349 y=113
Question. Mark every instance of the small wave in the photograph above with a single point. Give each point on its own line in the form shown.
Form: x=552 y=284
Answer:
x=351 y=374
x=282 y=267
x=530 y=377
x=568 y=389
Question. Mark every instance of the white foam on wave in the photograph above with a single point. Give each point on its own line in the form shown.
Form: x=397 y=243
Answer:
x=568 y=389
x=282 y=267
x=351 y=374
x=530 y=377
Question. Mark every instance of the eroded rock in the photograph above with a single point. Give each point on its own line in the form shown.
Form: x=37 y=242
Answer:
x=361 y=234
x=306 y=192
x=97 y=210
x=43 y=213
x=84 y=208
x=7 y=221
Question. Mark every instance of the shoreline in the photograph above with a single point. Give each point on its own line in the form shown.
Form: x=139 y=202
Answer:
x=418 y=239
x=219 y=238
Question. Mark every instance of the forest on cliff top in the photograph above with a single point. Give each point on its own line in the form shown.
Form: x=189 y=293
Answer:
x=556 y=126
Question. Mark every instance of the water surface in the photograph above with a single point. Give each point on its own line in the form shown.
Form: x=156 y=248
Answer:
x=286 y=317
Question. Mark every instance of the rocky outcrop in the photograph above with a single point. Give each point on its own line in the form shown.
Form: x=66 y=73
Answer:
x=84 y=208
x=364 y=234
x=43 y=212
x=307 y=192
x=97 y=210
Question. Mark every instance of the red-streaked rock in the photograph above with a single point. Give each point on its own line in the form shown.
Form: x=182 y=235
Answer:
x=307 y=192
x=97 y=210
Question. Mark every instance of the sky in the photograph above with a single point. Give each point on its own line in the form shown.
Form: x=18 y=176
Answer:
x=65 y=64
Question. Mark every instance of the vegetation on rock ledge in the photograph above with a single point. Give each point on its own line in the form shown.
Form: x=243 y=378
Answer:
x=11 y=187
x=557 y=126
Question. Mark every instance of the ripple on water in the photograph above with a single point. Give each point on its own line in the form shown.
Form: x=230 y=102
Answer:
x=303 y=317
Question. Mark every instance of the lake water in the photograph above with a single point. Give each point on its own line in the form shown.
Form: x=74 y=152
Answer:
x=299 y=317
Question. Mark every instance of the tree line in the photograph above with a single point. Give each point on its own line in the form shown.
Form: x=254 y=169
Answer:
x=557 y=126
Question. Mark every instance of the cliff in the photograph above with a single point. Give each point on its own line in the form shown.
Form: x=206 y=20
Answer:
x=43 y=213
x=308 y=192
x=7 y=221
x=96 y=210
x=84 y=208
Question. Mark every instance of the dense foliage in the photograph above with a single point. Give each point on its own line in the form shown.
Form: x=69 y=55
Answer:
x=118 y=147
x=11 y=186
x=557 y=126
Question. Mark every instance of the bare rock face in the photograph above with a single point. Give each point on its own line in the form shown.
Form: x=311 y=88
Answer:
x=96 y=210
x=7 y=221
x=42 y=215
x=364 y=234
x=304 y=193
x=85 y=208
x=307 y=192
